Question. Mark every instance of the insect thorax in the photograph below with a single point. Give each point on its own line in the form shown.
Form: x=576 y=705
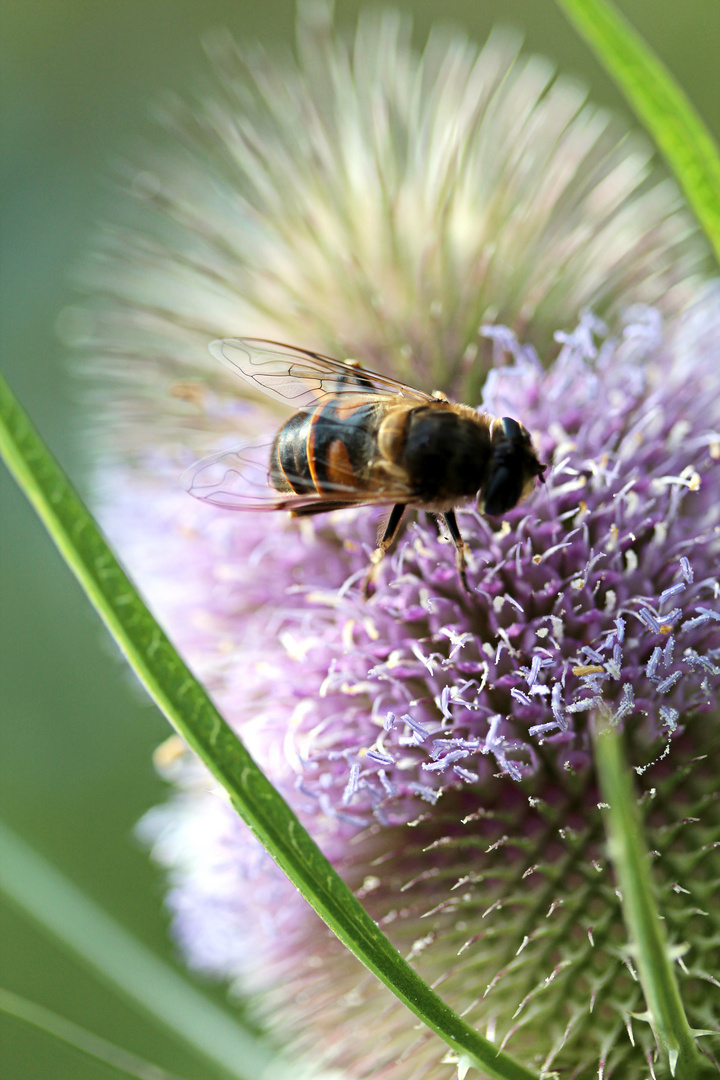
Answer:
x=446 y=455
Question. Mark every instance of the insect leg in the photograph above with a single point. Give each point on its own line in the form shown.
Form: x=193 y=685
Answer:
x=384 y=543
x=460 y=546
x=432 y=522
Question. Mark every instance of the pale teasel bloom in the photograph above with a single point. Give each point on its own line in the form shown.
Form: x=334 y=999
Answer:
x=438 y=217
x=371 y=202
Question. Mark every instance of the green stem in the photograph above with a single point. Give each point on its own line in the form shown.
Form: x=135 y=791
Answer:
x=191 y=712
x=649 y=946
x=86 y=1042
x=72 y=919
x=660 y=104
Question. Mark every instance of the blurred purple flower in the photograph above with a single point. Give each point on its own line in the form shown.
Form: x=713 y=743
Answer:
x=400 y=210
x=371 y=202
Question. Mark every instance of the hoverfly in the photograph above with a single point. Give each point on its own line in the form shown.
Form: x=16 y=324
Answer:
x=358 y=438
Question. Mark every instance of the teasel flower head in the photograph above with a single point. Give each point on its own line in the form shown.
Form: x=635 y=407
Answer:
x=371 y=202
x=435 y=218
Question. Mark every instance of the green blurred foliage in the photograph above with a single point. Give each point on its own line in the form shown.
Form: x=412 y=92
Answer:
x=76 y=79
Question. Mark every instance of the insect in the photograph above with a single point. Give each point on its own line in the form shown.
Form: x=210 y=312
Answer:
x=358 y=438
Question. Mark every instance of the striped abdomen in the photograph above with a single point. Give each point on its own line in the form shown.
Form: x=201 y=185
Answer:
x=326 y=450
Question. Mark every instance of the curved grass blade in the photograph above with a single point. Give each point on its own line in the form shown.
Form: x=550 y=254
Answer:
x=191 y=712
x=660 y=104
x=41 y=892
x=649 y=947
x=85 y=1042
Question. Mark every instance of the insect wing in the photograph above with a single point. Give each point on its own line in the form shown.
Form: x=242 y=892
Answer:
x=300 y=378
x=238 y=479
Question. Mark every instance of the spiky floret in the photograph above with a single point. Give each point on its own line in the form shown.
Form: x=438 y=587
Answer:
x=469 y=716
x=376 y=203
x=436 y=744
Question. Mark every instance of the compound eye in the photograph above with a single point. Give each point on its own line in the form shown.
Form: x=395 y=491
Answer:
x=503 y=490
x=511 y=428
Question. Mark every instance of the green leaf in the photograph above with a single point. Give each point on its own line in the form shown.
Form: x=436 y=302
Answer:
x=41 y=892
x=86 y=1042
x=191 y=712
x=649 y=948
x=660 y=104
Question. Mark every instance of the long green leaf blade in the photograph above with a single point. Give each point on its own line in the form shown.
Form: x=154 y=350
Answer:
x=71 y=918
x=660 y=104
x=85 y=1042
x=191 y=712
x=649 y=947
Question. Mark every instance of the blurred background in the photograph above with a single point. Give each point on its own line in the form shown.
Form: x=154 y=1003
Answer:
x=77 y=733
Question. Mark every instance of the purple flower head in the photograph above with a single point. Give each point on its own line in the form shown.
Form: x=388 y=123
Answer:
x=441 y=218
x=597 y=596
x=596 y=601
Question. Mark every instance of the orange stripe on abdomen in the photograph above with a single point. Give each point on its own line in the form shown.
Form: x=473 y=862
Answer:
x=339 y=468
x=340 y=442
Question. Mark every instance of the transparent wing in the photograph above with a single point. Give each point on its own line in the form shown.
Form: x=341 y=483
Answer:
x=239 y=479
x=300 y=378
